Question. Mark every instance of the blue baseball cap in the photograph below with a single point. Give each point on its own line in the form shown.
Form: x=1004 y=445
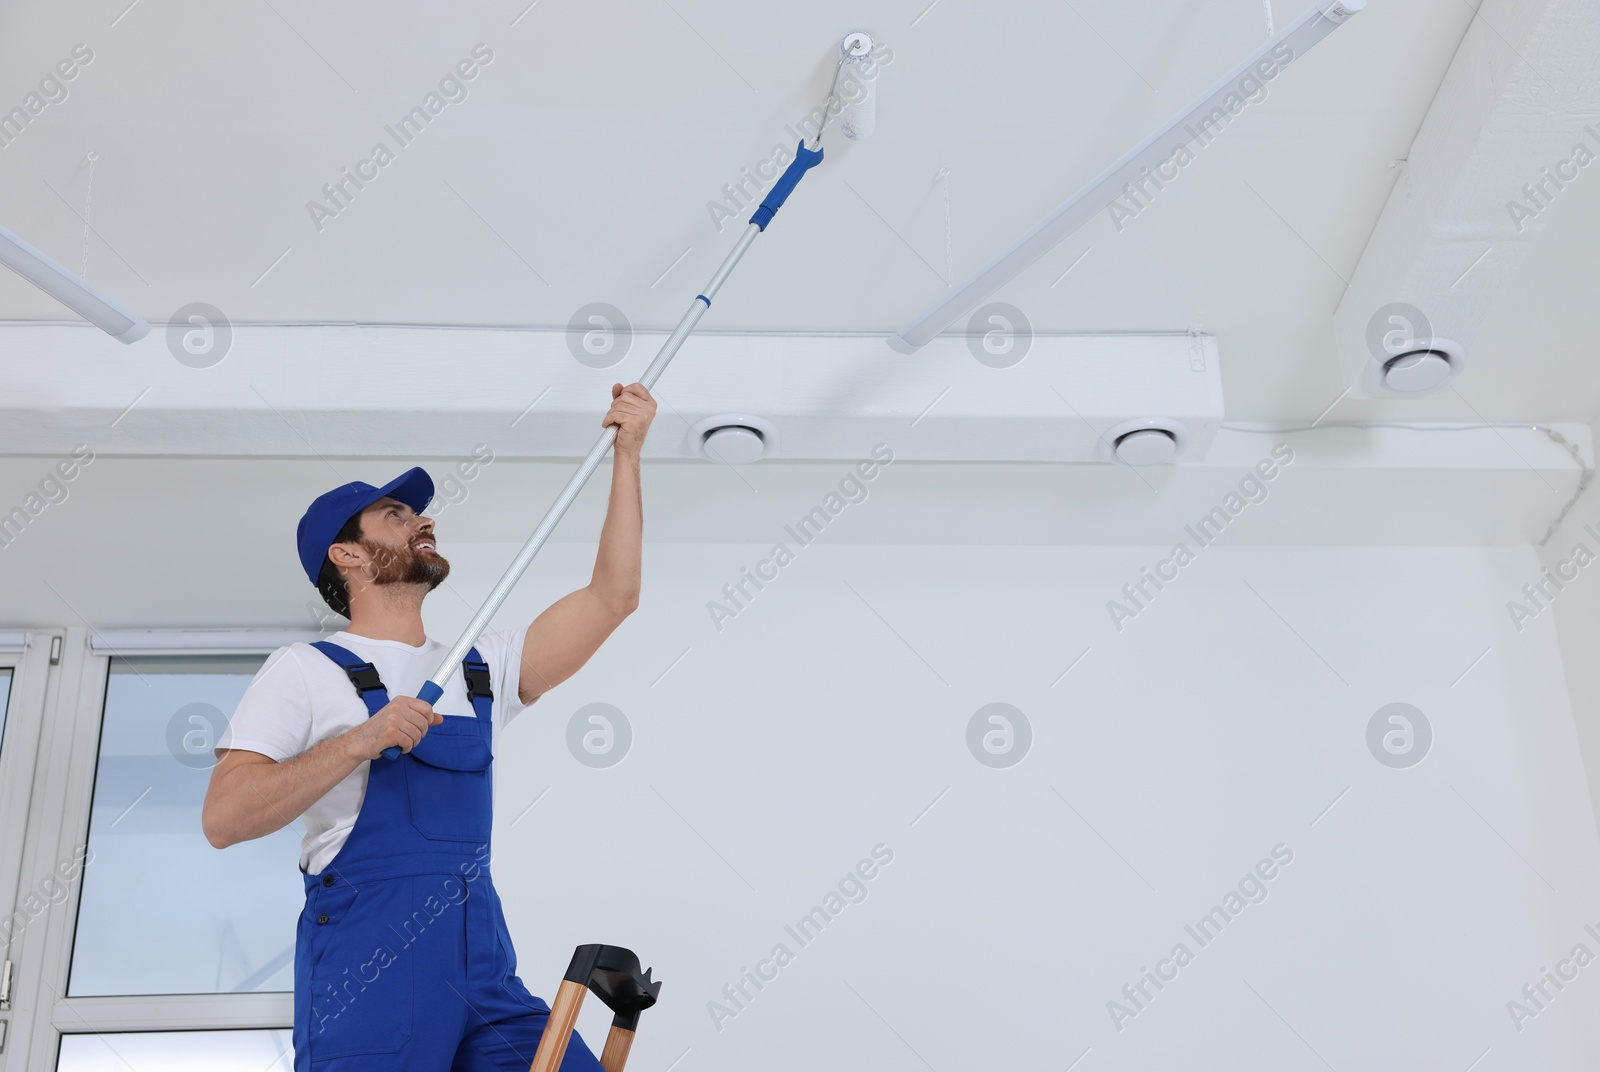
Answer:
x=324 y=518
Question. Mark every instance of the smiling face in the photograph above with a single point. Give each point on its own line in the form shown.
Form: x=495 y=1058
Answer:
x=399 y=546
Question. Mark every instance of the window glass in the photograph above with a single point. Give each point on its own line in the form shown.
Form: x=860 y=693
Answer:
x=178 y=1051
x=5 y=700
x=161 y=911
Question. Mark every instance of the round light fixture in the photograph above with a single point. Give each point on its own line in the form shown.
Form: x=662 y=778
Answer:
x=1423 y=365
x=1145 y=441
x=1421 y=370
x=733 y=444
x=1152 y=446
x=733 y=438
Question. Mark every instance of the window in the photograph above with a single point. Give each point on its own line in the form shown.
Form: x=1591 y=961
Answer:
x=162 y=912
x=178 y=1051
x=5 y=700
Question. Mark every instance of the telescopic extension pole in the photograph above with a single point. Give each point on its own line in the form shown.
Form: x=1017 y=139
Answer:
x=804 y=160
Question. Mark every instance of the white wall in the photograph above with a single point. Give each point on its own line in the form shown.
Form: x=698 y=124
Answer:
x=831 y=716
x=1222 y=722
x=1575 y=607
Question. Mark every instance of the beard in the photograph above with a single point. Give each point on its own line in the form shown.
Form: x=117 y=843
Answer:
x=406 y=565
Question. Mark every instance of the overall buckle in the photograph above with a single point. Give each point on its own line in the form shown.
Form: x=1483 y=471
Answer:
x=478 y=678
x=364 y=676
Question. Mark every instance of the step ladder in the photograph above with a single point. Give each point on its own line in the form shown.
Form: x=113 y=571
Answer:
x=612 y=972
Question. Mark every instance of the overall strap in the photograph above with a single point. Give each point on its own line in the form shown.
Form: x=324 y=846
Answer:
x=475 y=672
x=363 y=675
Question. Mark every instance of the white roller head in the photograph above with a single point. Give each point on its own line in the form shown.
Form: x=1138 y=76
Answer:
x=857 y=87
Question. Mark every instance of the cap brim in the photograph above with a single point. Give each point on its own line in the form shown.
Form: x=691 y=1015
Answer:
x=414 y=487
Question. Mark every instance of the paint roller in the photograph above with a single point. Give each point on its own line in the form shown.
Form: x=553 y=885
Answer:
x=852 y=96
x=857 y=71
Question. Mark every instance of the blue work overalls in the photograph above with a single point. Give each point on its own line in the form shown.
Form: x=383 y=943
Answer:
x=402 y=960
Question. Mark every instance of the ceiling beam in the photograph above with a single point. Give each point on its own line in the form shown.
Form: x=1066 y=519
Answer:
x=438 y=392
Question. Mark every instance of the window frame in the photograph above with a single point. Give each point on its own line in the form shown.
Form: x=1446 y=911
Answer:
x=61 y=711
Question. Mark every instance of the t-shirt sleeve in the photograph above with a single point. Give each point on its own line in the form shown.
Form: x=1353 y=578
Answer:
x=274 y=717
x=505 y=664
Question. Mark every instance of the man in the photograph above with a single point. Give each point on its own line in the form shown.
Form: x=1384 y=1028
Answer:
x=402 y=958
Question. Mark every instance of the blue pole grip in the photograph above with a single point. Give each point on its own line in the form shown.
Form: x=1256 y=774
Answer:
x=429 y=693
x=804 y=160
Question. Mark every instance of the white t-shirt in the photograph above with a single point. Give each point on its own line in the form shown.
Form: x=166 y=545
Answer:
x=301 y=697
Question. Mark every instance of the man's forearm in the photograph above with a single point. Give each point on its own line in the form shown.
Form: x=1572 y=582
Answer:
x=616 y=567
x=258 y=799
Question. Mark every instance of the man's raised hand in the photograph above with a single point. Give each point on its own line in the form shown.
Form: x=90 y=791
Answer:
x=632 y=410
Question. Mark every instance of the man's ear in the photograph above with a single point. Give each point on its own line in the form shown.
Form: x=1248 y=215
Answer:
x=350 y=561
x=344 y=555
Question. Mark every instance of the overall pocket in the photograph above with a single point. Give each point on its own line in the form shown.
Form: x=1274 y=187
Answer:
x=448 y=787
x=361 y=988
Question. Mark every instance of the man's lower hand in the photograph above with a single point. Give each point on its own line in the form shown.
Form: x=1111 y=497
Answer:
x=399 y=723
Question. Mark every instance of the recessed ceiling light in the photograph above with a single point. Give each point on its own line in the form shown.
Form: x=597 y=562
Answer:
x=733 y=444
x=1424 y=365
x=1153 y=446
x=1420 y=370
x=1145 y=441
x=734 y=438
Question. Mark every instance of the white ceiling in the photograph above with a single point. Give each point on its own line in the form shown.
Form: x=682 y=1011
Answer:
x=586 y=153
x=588 y=148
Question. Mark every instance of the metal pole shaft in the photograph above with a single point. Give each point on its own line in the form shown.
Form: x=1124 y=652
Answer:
x=669 y=349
